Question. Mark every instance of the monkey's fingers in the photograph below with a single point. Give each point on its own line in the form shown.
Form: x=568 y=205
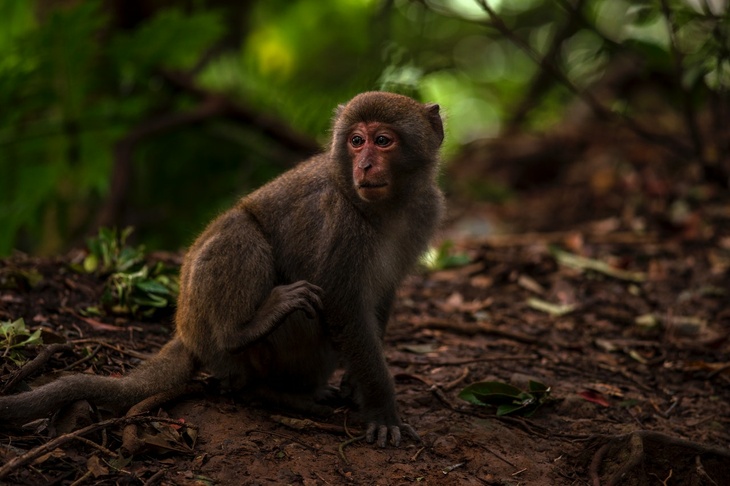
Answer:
x=302 y=295
x=394 y=436
x=381 y=433
x=311 y=292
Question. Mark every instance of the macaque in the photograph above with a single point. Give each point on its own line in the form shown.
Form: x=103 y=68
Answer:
x=299 y=277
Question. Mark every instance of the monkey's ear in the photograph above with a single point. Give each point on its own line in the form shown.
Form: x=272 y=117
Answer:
x=339 y=110
x=434 y=118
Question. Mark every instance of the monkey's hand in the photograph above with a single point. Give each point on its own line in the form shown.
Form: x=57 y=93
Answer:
x=280 y=303
x=285 y=299
x=381 y=428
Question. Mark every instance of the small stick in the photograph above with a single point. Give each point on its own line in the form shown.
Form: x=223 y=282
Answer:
x=346 y=443
x=34 y=365
x=84 y=359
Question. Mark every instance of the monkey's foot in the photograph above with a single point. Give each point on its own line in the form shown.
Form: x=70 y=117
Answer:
x=382 y=432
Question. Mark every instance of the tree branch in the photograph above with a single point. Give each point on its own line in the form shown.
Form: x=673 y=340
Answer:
x=540 y=83
x=211 y=105
x=690 y=118
x=601 y=111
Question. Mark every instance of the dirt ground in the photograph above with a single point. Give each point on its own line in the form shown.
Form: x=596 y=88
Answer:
x=637 y=358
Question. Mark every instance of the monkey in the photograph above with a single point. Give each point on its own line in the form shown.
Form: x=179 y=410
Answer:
x=299 y=277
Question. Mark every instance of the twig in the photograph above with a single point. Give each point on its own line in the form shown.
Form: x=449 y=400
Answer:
x=418 y=453
x=131 y=443
x=346 y=427
x=100 y=447
x=81 y=480
x=291 y=439
x=341 y=448
x=459 y=362
x=83 y=360
x=718 y=371
x=439 y=393
x=155 y=477
x=304 y=424
x=470 y=329
x=51 y=445
x=454 y=383
x=128 y=352
x=495 y=454
x=34 y=365
x=534 y=429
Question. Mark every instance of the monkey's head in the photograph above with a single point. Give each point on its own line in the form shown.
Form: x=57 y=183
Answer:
x=382 y=142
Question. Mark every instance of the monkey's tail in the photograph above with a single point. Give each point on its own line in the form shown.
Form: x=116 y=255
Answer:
x=171 y=367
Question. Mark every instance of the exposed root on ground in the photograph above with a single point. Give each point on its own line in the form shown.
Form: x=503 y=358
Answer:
x=619 y=457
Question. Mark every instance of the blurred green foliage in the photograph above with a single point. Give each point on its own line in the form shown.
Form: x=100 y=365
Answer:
x=131 y=286
x=75 y=79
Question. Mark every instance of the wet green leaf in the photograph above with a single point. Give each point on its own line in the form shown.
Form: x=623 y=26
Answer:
x=506 y=398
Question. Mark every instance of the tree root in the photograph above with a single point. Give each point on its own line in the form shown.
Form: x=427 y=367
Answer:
x=131 y=443
x=634 y=449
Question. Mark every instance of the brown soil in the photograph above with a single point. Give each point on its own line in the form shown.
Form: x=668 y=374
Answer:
x=638 y=370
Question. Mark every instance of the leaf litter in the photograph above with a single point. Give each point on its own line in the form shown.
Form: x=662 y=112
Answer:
x=631 y=334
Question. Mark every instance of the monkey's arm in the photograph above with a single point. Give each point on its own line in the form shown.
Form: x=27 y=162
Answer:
x=228 y=293
x=281 y=302
x=362 y=353
x=383 y=312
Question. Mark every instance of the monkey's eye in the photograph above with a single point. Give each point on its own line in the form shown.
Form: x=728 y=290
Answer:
x=382 y=141
x=357 y=141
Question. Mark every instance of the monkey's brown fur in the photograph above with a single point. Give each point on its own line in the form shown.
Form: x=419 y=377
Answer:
x=298 y=277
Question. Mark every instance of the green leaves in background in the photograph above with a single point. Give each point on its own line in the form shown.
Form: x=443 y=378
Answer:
x=171 y=39
x=444 y=257
x=77 y=77
x=131 y=286
x=71 y=85
x=14 y=336
x=109 y=253
x=508 y=399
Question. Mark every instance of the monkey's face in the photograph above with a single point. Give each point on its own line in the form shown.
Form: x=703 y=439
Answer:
x=372 y=147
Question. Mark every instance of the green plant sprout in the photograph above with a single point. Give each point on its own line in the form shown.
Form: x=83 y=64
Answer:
x=131 y=286
x=15 y=337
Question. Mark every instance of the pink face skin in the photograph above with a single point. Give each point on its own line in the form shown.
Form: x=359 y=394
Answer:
x=370 y=146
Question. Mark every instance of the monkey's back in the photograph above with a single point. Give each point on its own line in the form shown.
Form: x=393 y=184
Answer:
x=300 y=226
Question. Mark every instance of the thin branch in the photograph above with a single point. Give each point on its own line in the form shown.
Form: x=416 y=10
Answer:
x=211 y=105
x=600 y=111
x=539 y=83
x=235 y=110
x=690 y=117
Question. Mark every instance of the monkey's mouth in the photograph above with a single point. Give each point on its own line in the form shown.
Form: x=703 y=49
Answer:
x=371 y=185
x=372 y=191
